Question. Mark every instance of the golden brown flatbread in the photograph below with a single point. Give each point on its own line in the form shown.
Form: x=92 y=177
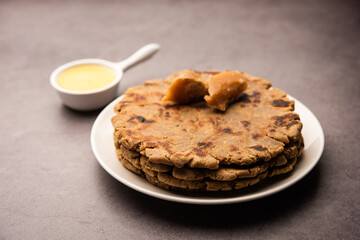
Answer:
x=195 y=147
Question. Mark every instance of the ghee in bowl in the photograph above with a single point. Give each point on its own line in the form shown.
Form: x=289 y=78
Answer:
x=87 y=84
x=86 y=77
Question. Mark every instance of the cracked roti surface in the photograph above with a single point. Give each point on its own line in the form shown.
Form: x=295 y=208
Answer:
x=222 y=179
x=223 y=173
x=253 y=129
x=167 y=181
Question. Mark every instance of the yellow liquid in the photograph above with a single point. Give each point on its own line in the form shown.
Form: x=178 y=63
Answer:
x=86 y=77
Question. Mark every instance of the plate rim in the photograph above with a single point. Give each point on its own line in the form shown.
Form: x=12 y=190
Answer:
x=195 y=200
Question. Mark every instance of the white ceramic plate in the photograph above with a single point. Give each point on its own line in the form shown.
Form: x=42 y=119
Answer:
x=103 y=148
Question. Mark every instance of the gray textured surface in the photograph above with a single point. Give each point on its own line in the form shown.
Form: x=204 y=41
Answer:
x=51 y=186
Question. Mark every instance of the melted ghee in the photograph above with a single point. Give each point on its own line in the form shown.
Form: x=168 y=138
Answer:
x=86 y=77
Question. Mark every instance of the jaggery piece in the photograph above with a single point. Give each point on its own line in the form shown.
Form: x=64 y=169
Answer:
x=187 y=87
x=225 y=88
x=219 y=90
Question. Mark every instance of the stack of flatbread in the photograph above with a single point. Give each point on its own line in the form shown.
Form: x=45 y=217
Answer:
x=195 y=147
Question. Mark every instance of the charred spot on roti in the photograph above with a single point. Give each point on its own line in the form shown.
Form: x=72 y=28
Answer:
x=258 y=148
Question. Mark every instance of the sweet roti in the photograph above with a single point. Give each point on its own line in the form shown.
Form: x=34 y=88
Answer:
x=194 y=147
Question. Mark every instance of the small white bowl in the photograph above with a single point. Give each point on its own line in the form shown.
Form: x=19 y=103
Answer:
x=97 y=98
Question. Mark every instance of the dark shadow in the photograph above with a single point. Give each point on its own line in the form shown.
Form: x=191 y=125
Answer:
x=79 y=114
x=241 y=215
x=289 y=201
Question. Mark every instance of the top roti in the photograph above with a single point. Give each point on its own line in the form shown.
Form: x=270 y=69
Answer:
x=255 y=128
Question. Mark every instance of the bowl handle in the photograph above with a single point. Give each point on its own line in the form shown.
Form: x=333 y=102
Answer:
x=140 y=55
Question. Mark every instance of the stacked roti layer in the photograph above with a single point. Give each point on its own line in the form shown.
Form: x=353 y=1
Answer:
x=196 y=148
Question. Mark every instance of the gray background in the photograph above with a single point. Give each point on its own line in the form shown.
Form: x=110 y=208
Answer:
x=51 y=186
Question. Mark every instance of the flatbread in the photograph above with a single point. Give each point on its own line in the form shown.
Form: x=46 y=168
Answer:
x=195 y=147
